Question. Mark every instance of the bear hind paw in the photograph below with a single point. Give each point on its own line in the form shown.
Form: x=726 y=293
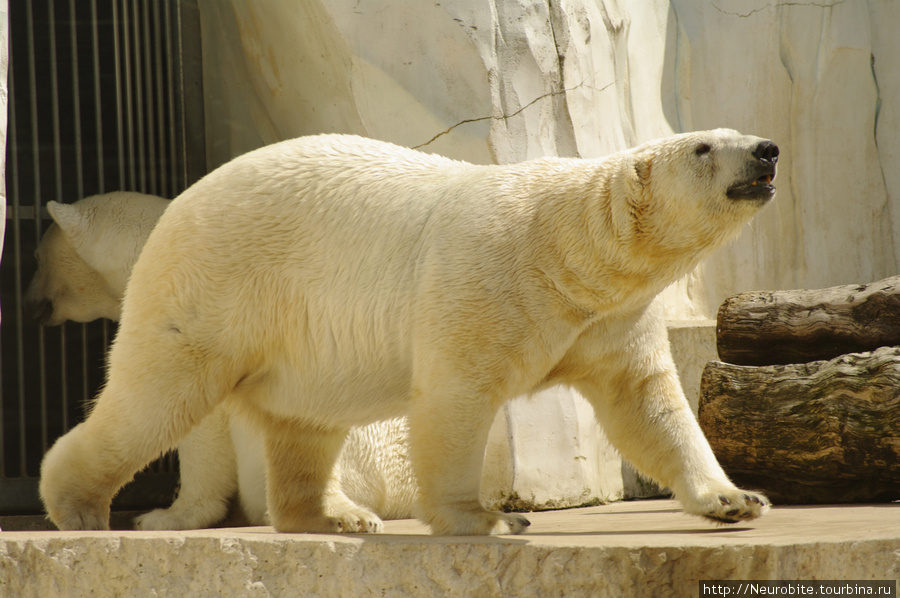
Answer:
x=83 y=518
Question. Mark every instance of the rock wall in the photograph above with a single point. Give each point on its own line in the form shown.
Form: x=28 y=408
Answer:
x=507 y=80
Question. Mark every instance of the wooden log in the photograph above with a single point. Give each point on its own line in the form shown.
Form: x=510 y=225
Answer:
x=821 y=432
x=779 y=327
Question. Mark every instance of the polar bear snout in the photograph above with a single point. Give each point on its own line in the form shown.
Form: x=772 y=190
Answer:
x=40 y=310
x=756 y=180
x=766 y=151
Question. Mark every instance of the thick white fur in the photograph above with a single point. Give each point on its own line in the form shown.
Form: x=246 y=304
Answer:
x=84 y=261
x=328 y=282
x=85 y=257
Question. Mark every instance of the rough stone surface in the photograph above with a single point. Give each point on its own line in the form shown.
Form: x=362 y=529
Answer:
x=644 y=548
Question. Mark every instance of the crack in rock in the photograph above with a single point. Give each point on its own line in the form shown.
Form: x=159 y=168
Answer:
x=507 y=116
x=777 y=5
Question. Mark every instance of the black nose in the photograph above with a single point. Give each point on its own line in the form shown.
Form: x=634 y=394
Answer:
x=766 y=151
x=39 y=310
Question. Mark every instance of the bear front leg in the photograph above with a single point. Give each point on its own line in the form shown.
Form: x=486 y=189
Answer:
x=250 y=454
x=303 y=491
x=208 y=478
x=648 y=419
x=447 y=443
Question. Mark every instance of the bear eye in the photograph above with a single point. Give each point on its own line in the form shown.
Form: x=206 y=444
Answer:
x=702 y=149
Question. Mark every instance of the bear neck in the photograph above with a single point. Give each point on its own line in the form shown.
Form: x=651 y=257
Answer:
x=596 y=254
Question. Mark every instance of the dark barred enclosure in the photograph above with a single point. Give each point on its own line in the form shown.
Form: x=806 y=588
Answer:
x=104 y=95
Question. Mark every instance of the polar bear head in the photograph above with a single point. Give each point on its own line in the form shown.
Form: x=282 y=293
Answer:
x=86 y=255
x=693 y=191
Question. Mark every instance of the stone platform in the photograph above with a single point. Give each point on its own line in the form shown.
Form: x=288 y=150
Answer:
x=644 y=548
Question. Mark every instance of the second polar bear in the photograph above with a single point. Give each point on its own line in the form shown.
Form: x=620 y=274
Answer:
x=331 y=281
x=84 y=260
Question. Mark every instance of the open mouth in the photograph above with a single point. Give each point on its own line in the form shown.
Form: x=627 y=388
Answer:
x=760 y=188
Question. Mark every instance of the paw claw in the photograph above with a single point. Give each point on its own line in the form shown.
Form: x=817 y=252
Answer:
x=733 y=506
x=477 y=521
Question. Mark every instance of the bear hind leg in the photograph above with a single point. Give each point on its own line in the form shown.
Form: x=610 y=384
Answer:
x=150 y=402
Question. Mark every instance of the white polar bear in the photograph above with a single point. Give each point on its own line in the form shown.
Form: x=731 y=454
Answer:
x=85 y=257
x=331 y=281
x=84 y=260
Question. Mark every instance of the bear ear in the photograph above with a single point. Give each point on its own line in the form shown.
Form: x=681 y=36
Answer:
x=69 y=218
x=74 y=221
x=642 y=167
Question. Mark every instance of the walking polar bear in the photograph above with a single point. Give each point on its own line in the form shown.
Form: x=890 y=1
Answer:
x=84 y=260
x=331 y=281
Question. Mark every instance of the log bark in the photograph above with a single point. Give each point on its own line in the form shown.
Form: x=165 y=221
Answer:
x=780 y=327
x=820 y=432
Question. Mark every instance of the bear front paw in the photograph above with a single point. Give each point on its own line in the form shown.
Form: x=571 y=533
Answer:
x=450 y=520
x=360 y=521
x=736 y=505
x=514 y=524
x=350 y=521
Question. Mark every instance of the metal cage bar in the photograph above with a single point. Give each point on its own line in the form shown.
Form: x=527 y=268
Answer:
x=97 y=102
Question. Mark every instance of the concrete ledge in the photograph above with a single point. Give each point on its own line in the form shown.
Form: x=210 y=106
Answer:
x=624 y=549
